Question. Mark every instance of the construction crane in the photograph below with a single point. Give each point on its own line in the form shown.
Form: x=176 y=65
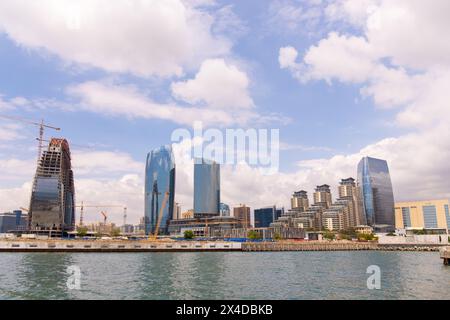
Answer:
x=105 y=217
x=41 y=126
x=154 y=236
x=82 y=206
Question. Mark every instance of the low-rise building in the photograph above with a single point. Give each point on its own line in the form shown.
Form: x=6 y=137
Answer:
x=364 y=229
x=431 y=214
x=13 y=221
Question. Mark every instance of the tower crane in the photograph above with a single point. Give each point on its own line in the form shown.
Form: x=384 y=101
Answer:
x=82 y=206
x=41 y=126
x=105 y=217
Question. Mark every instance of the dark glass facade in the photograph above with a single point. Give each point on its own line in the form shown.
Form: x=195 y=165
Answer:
x=206 y=188
x=159 y=179
x=375 y=186
x=52 y=204
x=265 y=216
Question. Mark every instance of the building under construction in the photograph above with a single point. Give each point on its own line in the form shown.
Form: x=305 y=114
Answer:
x=52 y=206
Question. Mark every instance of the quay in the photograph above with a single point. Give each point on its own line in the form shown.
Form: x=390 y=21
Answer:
x=445 y=255
x=115 y=246
x=54 y=245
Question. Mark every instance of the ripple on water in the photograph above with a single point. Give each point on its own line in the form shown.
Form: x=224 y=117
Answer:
x=232 y=275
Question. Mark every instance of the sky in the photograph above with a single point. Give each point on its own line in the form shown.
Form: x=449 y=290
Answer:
x=339 y=79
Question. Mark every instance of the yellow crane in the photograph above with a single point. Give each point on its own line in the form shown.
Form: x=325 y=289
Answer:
x=154 y=236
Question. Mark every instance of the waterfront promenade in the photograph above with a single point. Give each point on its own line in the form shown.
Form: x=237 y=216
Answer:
x=22 y=245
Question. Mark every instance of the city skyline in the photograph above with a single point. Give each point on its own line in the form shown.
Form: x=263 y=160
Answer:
x=338 y=80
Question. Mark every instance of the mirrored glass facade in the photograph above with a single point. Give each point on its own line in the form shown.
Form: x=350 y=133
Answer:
x=52 y=204
x=159 y=180
x=375 y=186
x=206 y=188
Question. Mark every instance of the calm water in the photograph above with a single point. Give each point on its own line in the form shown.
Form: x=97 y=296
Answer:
x=265 y=275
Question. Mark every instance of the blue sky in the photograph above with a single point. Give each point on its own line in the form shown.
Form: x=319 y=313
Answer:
x=320 y=107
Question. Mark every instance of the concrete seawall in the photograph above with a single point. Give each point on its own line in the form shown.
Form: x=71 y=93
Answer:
x=192 y=246
x=115 y=246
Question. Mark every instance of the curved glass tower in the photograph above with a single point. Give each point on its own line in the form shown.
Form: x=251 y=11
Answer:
x=52 y=205
x=206 y=188
x=375 y=186
x=159 y=179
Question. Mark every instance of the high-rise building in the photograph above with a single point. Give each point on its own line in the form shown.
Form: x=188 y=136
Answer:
x=322 y=196
x=242 y=213
x=350 y=192
x=52 y=206
x=375 y=185
x=206 y=188
x=265 y=216
x=159 y=180
x=224 y=210
x=299 y=201
x=432 y=214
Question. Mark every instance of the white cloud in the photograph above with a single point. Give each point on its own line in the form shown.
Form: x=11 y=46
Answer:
x=287 y=58
x=290 y=16
x=10 y=132
x=101 y=163
x=143 y=37
x=218 y=85
x=401 y=61
x=351 y=11
x=126 y=100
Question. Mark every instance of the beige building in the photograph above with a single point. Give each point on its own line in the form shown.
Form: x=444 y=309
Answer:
x=299 y=201
x=350 y=192
x=433 y=214
x=322 y=196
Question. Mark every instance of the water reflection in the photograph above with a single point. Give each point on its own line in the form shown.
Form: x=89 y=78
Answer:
x=42 y=274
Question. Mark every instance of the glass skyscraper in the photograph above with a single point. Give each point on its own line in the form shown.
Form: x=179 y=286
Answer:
x=375 y=186
x=52 y=205
x=206 y=188
x=159 y=180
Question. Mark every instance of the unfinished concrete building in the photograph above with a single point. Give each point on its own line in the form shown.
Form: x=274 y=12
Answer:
x=52 y=206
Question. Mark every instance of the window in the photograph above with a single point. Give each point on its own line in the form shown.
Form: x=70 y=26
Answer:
x=447 y=215
x=406 y=218
x=429 y=216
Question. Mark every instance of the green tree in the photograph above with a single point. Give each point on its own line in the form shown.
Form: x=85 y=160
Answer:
x=329 y=235
x=366 y=237
x=189 y=234
x=82 y=231
x=253 y=235
x=115 y=232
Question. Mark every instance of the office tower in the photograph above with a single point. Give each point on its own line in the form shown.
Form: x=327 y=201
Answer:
x=432 y=214
x=375 y=185
x=242 y=213
x=224 y=210
x=299 y=201
x=14 y=221
x=350 y=192
x=159 y=186
x=322 y=196
x=52 y=206
x=265 y=216
x=206 y=188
